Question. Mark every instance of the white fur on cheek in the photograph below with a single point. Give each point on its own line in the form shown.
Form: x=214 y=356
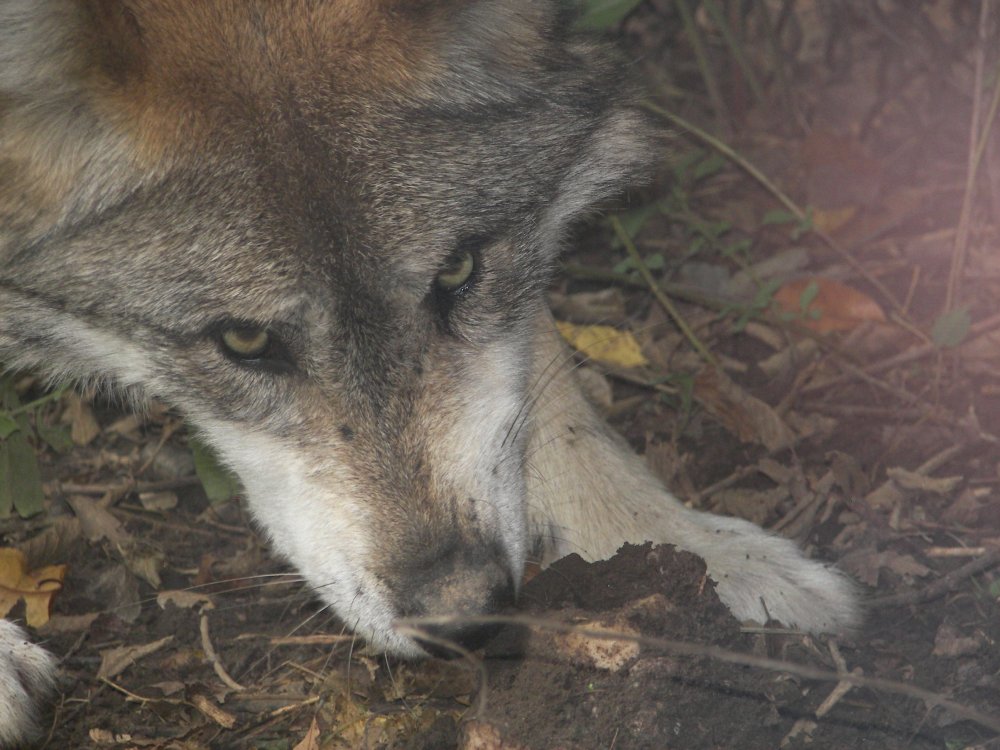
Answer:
x=323 y=530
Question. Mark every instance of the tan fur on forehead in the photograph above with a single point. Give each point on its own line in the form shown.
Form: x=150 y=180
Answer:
x=96 y=93
x=171 y=65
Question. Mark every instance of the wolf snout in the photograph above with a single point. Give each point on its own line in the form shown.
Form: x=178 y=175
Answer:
x=457 y=584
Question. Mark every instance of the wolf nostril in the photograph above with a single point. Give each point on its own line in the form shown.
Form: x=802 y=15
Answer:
x=469 y=636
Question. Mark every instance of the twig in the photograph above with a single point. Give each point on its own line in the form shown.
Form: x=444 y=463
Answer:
x=708 y=76
x=987 y=325
x=736 y=49
x=128 y=486
x=662 y=298
x=785 y=201
x=213 y=657
x=841 y=689
x=717 y=653
x=948 y=582
x=977 y=145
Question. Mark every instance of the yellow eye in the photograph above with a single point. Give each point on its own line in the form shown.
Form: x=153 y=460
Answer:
x=457 y=272
x=246 y=343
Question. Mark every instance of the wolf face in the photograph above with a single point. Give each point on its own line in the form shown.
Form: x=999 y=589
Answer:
x=322 y=230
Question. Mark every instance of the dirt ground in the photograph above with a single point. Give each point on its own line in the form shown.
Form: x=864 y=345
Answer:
x=856 y=410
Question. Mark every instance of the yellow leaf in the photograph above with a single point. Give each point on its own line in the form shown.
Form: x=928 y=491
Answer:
x=604 y=344
x=36 y=587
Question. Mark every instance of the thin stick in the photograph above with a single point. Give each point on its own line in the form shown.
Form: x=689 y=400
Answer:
x=662 y=298
x=724 y=655
x=780 y=196
x=940 y=587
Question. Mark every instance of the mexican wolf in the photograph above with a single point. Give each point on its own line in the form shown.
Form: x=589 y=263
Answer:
x=322 y=229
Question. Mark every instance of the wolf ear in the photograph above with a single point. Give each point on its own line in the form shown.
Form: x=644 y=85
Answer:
x=115 y=37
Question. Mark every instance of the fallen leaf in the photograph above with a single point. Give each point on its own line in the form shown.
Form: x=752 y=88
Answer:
x=183 y=599
x=825 y=305
x=840 y=174
x=114 y=661
x=867 y=564
x=36 y=587
x=604 y=344
x=83 y=426
x=910 y=480
x=749 y=418
x=98 y=522
x=949 y=643
x=311 y=740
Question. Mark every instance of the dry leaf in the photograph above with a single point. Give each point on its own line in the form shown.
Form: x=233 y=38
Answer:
x=840 y=175
x=749 y=418
x=114 y=661
x=97 y=522
x=834 y=307
x=948 y=642
x=36 y=587
x=604 y=344
x=184 y=599
x=866 y=565
x=83 y=424
x=311 y=740
x=753 y=505
x=910 y=480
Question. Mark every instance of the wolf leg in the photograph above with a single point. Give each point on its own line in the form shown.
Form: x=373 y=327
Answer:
x=27 y=675
x=588 y=493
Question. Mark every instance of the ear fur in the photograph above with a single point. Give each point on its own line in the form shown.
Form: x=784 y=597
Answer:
x=58 y=149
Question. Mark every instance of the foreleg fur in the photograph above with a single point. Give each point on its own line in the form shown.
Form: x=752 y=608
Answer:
x=27 y=675
x=589 y=493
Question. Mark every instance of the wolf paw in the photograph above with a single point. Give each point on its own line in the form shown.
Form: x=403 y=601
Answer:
x=27 y=676
x=760 y=576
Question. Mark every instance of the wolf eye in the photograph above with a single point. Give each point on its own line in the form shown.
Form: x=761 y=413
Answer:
x=245 y=343
x=456 y=275
x=252 y=345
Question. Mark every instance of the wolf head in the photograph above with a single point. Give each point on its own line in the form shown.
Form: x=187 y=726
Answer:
x=322 y=230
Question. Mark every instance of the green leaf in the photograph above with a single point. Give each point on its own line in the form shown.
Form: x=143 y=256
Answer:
x=599 y=15
x=219 y=483
x=624 y=266
x=779 y=216
x=57 y=437
x=20 y=480
x=709 y=166
x=808 y=295
x=951 y=328
x=655 y=262
x=632 y=221
x=739 y=247
x=8 y=425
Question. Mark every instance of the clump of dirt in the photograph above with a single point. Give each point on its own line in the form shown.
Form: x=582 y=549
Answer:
x=574 y=691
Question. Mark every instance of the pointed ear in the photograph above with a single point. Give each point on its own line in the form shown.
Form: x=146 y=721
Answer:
x=115 y=37
x=59 y=62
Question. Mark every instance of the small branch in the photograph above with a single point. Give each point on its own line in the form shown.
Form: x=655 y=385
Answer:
x=724 y=655
x=945 y=584
x=662 y=298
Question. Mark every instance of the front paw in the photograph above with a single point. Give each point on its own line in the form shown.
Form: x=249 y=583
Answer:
x=760 y=576
x=27 y=677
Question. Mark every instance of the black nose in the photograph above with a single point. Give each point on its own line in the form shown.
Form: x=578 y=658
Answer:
x=459 y=582
x=468 y=636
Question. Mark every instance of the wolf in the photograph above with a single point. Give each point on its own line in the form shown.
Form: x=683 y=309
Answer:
x=323 y=230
